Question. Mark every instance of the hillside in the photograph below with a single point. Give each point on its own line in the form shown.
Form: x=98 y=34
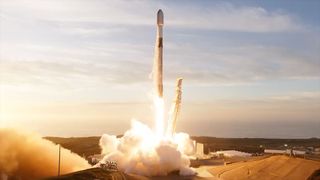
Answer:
x=85 y=146
x=96 y=173
x=274 y=167
x=101 y=174
x=252 y=145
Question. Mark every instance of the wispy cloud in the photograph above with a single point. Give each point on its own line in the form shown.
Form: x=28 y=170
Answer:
x=64 y=39
x=84 y=51
x=298 y=96
x=227 y=17
x=217 y=16
x=244 y=64
x=229 y=66
x=226 y=66
x=55 y=73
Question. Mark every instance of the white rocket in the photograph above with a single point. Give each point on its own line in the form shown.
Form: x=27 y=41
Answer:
x=158 y=80
x=157 y=69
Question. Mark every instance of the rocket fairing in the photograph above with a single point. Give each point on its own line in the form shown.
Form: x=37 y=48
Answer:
x=158 y=68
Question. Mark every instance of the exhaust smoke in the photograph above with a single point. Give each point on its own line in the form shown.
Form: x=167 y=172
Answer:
x=140 y=151
x=150 y=152
x=28 y=156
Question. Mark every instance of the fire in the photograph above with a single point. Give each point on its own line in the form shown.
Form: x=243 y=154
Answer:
x=141 y=151
x=150 y=152
x=159 y=117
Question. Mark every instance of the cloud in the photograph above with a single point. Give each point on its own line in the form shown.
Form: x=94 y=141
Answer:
x=225 y=66
x=215 y=16
x=243 y=65
x=307 y=96
x=14 y=72
x=81 y=41
x=227 y=17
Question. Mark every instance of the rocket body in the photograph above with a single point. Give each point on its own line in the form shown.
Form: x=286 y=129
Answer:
x=158 y=66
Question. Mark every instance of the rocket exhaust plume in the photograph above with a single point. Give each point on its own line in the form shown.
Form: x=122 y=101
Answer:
x=149 y=152
x=27 y=156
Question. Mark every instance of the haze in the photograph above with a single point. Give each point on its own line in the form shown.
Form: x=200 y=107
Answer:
x=80 y=68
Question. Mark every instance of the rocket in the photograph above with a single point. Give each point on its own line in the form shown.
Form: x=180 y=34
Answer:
x=158 y=68
x=158 y=84
x=175 y=110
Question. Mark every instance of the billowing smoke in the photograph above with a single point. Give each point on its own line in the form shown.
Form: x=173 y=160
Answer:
x=27 y=156
x=152 y=152
x=139 y=151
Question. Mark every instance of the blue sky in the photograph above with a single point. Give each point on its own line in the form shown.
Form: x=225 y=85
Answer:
x=88 y=63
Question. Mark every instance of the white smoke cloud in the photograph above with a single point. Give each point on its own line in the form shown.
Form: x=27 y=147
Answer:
x=28 y=156
x=139 y=151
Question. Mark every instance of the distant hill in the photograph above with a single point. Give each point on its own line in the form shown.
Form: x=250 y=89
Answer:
x=85 y=146
x=101 y=174
x=254 y=145
x=96 y=174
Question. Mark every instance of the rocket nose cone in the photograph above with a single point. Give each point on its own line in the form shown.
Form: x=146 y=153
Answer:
x=160 y=17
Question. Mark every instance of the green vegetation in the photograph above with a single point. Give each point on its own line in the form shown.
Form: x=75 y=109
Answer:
x=254 y=145
x=86 y=146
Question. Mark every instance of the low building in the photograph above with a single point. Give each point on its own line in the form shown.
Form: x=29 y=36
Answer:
x=274 y=151
x=233 y=153
x=291 y=152
x=199 y=151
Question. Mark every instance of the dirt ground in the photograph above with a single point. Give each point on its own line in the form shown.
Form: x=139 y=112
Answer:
x=274 y=167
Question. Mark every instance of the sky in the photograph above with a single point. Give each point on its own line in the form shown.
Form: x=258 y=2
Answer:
x=82 y=68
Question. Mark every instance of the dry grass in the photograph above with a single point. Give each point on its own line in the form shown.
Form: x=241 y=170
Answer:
x=274 y=167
